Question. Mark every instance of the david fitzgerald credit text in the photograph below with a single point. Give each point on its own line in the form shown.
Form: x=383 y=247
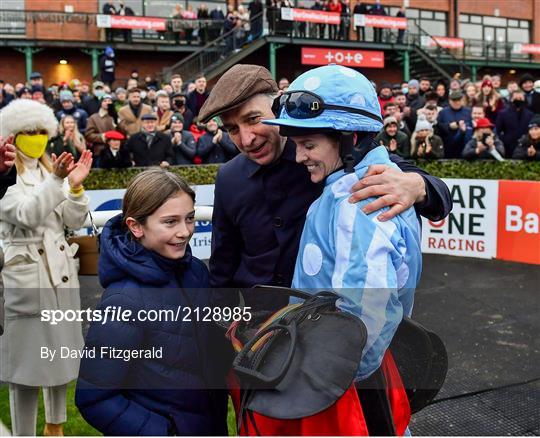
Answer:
x=101 y=352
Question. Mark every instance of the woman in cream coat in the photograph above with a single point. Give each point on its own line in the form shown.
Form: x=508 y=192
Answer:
x=40 y=272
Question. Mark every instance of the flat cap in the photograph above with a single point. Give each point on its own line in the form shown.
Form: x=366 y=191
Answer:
x=149 y=116
x=240 y=83
x=35 y=75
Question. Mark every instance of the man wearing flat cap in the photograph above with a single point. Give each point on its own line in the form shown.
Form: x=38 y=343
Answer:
x=150 y=147
x=262 y=195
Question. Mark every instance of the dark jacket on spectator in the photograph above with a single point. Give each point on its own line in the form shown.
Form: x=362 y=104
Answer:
x=415 y=101
x=511 y=125
x=195 y=101
x=453 y=139
x=160 y=149
x=91 y=105
x=403 y=147
x=56 y=146
x=220 y=152
x=437 y=148
x=6 y=181
x=80 y=115
x=109 y=161
x=160 y=396
x=469 y=152
x=520 y=152
x=535 y=103
x=185 y=151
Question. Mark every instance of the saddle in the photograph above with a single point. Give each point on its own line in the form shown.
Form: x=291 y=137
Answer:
x=298 y=361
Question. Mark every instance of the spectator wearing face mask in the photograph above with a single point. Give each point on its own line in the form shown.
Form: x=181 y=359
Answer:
x=484 y=144
x=92 y=103
x=215 y=145
x=69 y=108
x=528 y=147
x=513 y=122
x=424 y=143
x=183 y=142
x=178 y=104
x=98 y=125
x=393 y=139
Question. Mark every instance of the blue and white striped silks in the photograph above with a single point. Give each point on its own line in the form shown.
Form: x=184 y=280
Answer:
x=373 y=266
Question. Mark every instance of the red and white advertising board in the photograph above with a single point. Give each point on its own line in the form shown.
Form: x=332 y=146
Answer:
x=532 y=49
x=470 y=230
x=446 y=42
x=382 y=21
x=518 y=236
x=348 y=58
x=310 y=16
x=130 y=22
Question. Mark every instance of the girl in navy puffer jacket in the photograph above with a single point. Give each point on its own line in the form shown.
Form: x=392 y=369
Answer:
x=176 y=388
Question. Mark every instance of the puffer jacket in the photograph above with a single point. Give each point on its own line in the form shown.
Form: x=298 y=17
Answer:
x=181 y=393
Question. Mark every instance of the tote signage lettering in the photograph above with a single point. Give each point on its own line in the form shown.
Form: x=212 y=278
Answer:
x=349 y=58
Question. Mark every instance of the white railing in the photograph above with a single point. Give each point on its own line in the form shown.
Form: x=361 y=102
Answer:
x=202 y=213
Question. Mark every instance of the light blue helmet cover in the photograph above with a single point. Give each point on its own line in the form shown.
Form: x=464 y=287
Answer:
x=336 y=85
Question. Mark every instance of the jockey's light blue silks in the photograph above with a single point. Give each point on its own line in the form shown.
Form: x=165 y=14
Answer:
x=373 y=266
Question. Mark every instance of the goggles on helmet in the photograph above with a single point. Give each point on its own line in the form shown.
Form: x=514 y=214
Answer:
x=307 y=105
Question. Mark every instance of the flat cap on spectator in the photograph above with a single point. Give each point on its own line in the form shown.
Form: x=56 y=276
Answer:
x=390 y=120
x=66 y=95
x=455 y=95
x=149 y=116
x=177 y=117
x=177 y=94
x=106 y=96
x=162 y=93
x=240 y=83
x=114 y=135
x=120 y=90
x=98 y=84
x=35 y=75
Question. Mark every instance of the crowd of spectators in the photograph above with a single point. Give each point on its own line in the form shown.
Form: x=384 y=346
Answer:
x=143 y=123
x=139 y=124
x=462 y=119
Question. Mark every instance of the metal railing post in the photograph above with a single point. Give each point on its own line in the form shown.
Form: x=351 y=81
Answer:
x=406 y=66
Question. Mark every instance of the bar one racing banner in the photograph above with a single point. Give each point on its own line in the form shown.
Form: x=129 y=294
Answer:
x=446 y=42
x=382 y=21
x=131 y=22
x=310 y=16
x=349 y=58
x=490 y=219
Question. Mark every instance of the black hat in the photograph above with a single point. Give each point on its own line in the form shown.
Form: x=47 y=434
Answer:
x=177 y=94
x=37 y=88
x=22 y=91
x=526 y=77
x=149 y=116
x=35 y=75
x=177 y=117
x=535 y=122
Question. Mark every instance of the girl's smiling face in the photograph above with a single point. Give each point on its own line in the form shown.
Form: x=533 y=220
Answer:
x=168 y=230
x=319 y=153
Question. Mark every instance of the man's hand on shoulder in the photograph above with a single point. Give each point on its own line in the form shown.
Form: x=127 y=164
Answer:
x=395 y=189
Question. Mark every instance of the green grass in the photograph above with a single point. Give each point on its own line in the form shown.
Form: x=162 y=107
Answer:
x=75 y=425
